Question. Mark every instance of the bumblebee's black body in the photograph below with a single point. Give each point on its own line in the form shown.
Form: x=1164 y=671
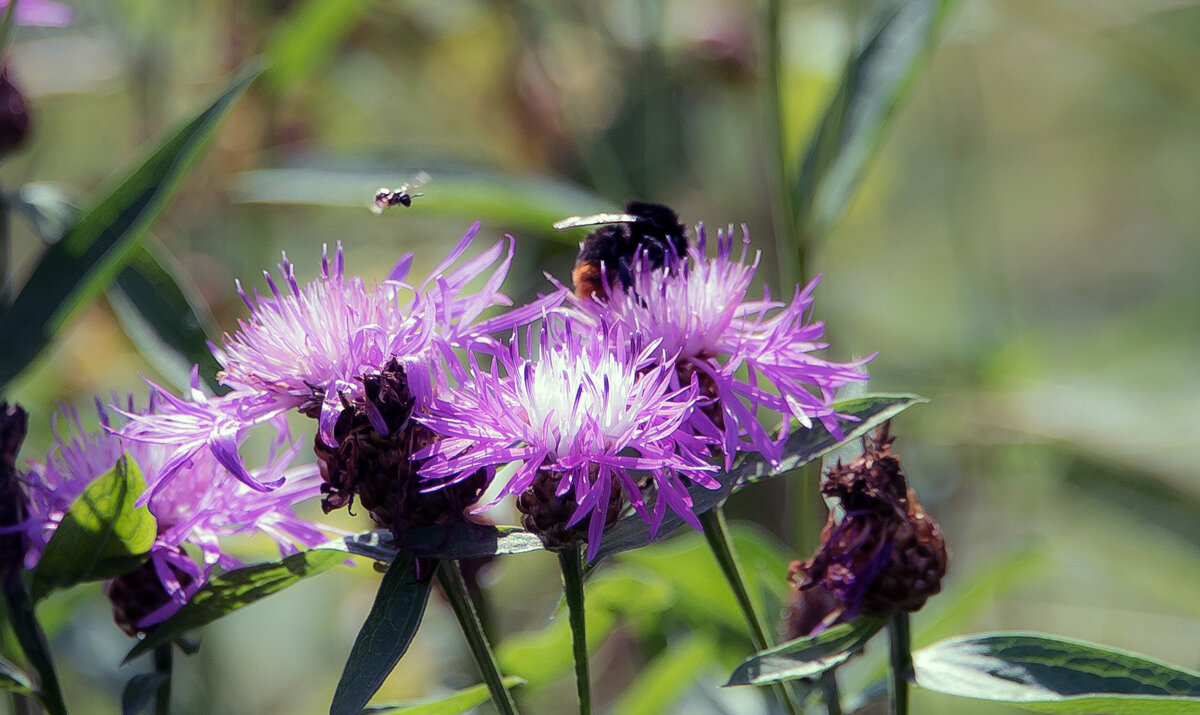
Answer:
x=609 y=254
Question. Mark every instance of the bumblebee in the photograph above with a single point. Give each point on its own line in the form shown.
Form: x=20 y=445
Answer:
x=609 y=254
x=386 y=198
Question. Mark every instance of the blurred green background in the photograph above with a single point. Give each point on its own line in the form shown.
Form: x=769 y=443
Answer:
x=1023 y=251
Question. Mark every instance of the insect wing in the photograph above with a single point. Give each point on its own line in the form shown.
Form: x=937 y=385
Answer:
x=594 y=220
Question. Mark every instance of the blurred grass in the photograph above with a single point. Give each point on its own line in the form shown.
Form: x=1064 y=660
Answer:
x=1023 y=251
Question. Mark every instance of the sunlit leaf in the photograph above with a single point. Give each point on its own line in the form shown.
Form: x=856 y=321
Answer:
x=806 y=657
x=457 y=541
x=874 y=82
x=13 y=679
x=460 y=701
x=1056 y=675
x=384 y=638
x=163 y=313
x=91 y=252
x=802 y=447
x=101 y=536
x=234 y=590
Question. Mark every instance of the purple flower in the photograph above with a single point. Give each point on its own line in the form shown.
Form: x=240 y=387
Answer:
x=200 y=502
x=592 y=410
x=748 y=357
x=40 y=12
x=315 y=343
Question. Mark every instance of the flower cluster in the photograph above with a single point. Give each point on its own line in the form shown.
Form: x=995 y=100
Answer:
x=629 y=397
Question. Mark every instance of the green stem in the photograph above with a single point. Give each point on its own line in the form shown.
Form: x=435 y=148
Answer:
x=717 y=534
x=33 y=641
x=901 y=642
x=829 y=688
x=790 y=250
x=572 y=570
x=450 y=578
x=164 y=657
x=5 y=249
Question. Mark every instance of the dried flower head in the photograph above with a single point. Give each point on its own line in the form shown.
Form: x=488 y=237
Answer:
x=884 y=553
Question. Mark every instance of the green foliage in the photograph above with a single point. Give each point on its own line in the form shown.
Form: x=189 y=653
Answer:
x=101 y=536
x=15 y=680
x=1056 y=675
x=460 y=701
x=806 y=657
x=306 y=39
x=94 y=248
x=456 y=541
x=140 y=692
x=384 y=638
x=666 y=677
x=874 y=82
x=234 y=590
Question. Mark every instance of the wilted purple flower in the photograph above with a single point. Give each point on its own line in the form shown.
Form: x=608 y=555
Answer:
x=314 y=344
x=200 y=502
x=590 y=411
x=40 y=12
x=748 y=357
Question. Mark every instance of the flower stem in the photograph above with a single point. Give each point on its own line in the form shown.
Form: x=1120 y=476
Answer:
x=901 y=642
x=33 y=641
x=717 y=534
x=829 y=688
x=450 y=578
x=163 y=662
x=572 y=570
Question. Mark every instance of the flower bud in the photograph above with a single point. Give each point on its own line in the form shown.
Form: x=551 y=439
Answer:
x=138 y=593
x=547 y=514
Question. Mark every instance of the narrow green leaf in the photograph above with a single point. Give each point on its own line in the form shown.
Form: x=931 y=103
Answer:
x=457 y=541
x=526 y=201
x=102 y=535
x=163 y=313
x=307 y=38
x=806 y=657
x=385 y=636
x=664 y=679
x=92 y=251
x=140 y=691
x=1057 y=675
x=15 y=680
x=460 y=701
x=802 y=447
x=233 y=590
x=874 y=82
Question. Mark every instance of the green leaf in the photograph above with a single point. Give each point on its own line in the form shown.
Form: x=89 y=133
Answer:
x=385 y=636
x=806 y=657
x=163 y=313
x=15 y=680
x=306 y=40
x=233 y=590
x=456 y=541
x=664 y=679
x=526 y=201
x=93 y=249
x=875 y=80
x=139 y=692
x=802 y=447
x=460 y=701
x=101 y=536
x=1056 y=675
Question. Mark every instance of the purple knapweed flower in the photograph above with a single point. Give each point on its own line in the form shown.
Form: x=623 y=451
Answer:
x=592 y=413
x=40 y=12
x=199 y=504
x=316 y=342
x=748 y=357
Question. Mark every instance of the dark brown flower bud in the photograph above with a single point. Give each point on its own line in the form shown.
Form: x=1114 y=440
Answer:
x=13 y=505
x=139 y=593
x=14 y=114
x=378 y=469
x=884 y=553
x=547 y=514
